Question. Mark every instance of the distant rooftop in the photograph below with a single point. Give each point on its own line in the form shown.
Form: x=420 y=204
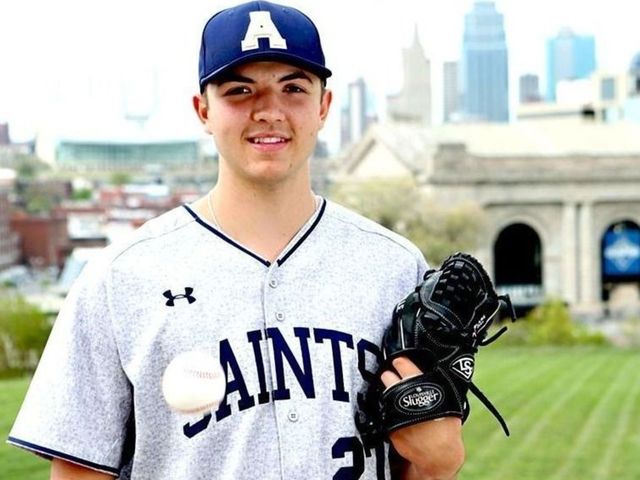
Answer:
x=517 y=139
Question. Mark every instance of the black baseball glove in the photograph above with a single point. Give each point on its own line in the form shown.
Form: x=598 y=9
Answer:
x=439 y=327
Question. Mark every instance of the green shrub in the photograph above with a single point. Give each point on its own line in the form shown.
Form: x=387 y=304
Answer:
x=24 y=330
x=551 y=324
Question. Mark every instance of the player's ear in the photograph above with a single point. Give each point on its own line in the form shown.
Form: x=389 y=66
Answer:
x=201 y=106
x=325 y=103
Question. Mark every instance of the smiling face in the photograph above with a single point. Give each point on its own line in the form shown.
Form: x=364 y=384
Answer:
x=264 y=118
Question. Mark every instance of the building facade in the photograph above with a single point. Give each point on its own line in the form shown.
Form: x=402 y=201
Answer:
x=529 y=88
x=9 y=248
x=87 y=155
x=562 y=202
x=485 y=68
x=44 y=239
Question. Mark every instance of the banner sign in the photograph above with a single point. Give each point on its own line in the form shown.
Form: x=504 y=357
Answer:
x=622 y=253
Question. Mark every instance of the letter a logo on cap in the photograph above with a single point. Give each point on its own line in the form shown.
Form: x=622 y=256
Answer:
x=261 y=26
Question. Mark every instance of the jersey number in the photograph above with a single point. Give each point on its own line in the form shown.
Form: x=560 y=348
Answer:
x=353 y=445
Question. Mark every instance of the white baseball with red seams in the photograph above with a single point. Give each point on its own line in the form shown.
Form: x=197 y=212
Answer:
x=193 y=382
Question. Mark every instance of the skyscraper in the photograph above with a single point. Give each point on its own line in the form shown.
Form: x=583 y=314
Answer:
x=354 y=116
x=451 y=90
x=569 y=57
x=413 y=102
x=485 y=69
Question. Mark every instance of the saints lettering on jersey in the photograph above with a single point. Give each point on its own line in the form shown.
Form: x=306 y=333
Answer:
x=261 y=26
x=350 y=448
x=283 y=354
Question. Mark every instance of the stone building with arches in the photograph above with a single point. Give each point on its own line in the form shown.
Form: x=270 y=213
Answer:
x=562 y=201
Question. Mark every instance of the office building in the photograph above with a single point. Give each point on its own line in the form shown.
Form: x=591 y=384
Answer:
x=529 y=88
x=569 y=57
x=413 y=102
x=354 y=114
x=484 y=75
x=451 y=91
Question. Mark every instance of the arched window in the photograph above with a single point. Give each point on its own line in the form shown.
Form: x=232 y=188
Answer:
x=620 y=255
x=517 y=255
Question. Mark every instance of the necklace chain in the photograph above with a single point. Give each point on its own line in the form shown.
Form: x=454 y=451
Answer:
x=213 y=215
x=217 y=223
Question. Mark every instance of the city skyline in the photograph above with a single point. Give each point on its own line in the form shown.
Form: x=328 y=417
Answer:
x=58 y=56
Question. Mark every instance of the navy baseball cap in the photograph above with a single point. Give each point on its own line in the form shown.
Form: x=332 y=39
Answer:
x=259 y=31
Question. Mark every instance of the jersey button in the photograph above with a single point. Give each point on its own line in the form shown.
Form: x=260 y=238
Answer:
x=293 y=416
x=273 y=283
x=280 y=316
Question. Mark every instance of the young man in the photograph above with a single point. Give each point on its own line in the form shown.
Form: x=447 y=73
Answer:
x=291 y=292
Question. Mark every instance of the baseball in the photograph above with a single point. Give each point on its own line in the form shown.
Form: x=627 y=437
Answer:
x=193 y=382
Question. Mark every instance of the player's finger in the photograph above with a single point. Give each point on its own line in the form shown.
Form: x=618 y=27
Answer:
x=405 y=367
x=389 y=378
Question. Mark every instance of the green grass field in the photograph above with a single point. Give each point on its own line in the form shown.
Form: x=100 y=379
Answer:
x=15 y=464
x=574 y=414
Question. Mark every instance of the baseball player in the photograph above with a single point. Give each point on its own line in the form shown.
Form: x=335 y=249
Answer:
x=291 y=292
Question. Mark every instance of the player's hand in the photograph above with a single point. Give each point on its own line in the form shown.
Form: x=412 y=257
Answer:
x=433 y=448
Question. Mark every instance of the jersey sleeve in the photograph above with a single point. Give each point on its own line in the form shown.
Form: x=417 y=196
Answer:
x=78 y=405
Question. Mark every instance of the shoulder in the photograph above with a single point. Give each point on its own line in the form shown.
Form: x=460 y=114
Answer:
x=370 y=233
x=150 y=238
x=153 y=233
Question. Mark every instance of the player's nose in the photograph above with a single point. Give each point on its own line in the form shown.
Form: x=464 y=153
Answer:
x=267 y=108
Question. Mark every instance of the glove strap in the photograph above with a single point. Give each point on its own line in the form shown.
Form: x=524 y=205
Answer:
x=487 y=403
x=417 y=399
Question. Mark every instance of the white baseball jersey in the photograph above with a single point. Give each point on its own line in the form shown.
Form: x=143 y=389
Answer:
x=298 y=340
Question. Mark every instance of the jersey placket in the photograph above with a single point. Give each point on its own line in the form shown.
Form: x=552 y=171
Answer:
x=275 y=320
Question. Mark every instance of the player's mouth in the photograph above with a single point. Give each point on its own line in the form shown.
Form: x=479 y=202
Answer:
x=269 y=142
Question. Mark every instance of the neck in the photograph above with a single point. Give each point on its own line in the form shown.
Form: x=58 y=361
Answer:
x=262 y=219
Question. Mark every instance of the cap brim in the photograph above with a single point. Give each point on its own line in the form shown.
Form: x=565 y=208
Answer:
x=319 y=70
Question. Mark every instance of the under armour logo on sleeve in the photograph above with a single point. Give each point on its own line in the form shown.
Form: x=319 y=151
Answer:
x=261 y=26
x=172 y=298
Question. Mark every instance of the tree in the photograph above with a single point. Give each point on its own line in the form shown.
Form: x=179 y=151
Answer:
x=39 y=196
x=437 y=231
x=29 y=166
x=119 y=178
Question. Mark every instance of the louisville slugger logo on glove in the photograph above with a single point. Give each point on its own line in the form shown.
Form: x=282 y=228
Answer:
x=439 y=327
x=421 y=398
x=464 y=367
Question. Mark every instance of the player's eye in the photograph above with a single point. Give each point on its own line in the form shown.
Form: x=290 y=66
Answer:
x=237 y=90
x=293 y=88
